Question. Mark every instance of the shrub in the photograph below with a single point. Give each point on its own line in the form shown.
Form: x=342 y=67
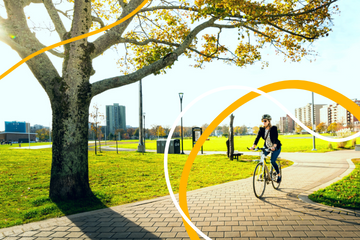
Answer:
x=330 y=146
x=345 y=132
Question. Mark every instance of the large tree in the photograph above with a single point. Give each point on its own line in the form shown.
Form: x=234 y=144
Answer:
x=153 y=39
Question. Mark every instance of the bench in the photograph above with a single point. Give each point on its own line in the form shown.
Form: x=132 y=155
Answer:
x=236 y=155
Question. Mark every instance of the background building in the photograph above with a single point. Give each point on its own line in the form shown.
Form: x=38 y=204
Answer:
x=115 y=118
x=17 y=132
x=336 y=113
x=304 y=114
x=38 y=127
x=15 y=126
x=286 y=125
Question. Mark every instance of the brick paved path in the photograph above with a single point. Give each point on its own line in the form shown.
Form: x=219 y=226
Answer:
x=226 y=211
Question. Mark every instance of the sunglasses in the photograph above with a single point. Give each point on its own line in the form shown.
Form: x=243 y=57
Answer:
x=264 y=120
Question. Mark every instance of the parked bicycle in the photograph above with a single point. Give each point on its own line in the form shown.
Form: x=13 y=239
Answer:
x=262 y=176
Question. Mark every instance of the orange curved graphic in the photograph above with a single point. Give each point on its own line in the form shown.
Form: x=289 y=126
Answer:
x=290 y=84
x=73 y=39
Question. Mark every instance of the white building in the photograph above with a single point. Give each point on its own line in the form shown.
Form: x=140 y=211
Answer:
x=304 y=114
x=337 y=113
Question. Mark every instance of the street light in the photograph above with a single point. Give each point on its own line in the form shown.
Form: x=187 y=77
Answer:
x=141 y=144
x=144 y=131
x=313 y=120
x=181 y=95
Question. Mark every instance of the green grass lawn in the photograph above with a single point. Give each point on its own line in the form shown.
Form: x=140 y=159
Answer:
x=344 y=193
x=115 y=179
x=291 y=143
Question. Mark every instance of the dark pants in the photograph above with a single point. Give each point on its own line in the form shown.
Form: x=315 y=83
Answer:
x=274 y=156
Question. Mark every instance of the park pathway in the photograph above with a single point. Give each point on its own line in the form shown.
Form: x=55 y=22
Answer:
x=226 y=211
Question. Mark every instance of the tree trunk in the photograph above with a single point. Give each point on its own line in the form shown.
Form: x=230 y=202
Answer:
x=100 y=143
x=69 y=169
x=95 y=142
x=70 y=100
x=231 y=137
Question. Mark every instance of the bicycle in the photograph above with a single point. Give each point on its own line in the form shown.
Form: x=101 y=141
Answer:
x=262 y=174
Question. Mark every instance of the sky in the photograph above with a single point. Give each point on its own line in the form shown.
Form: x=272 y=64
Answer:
x=23 y=99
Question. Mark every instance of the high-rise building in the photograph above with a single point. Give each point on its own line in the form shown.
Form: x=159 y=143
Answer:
x=286 y=124
x=336 y=113
x=304 y=114
x=115 y=118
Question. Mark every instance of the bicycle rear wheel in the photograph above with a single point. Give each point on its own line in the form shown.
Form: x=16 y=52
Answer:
x=259 y=180
x=273 y=173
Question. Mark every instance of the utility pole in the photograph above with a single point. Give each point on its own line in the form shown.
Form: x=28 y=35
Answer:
x=181 y=95
x=141 y=144
x=313 y=120
x=144 y=132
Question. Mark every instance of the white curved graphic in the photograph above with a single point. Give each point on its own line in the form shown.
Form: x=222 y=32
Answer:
x=218 y=90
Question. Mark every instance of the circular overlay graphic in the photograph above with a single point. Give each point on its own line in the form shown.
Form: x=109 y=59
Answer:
x=352 y=107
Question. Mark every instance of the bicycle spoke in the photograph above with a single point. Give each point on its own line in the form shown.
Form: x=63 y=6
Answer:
x=259 y=180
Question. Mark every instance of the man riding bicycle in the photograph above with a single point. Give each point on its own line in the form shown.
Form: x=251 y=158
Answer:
x=270 y=135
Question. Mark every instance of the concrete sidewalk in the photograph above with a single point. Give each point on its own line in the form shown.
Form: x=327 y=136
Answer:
x=226 y=211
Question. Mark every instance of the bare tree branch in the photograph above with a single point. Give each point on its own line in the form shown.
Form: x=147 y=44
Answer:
x=141 y=26
x=168 y=8
x=292 y=33
x=64 y=13
x=223 y=26
x=257 y=31
x=106 y=84
x=147 y=41
x=301 y=13
x=55 y=18
x=98 y=20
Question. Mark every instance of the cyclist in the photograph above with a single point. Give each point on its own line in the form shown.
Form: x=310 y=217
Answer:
x=270 y=135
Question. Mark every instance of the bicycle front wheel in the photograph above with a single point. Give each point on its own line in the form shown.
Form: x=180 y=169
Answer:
x=259 y=180
x=273 y=174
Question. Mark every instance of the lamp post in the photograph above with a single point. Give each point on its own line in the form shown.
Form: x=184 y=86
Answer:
x=144 y=131
x=313 y=120
x=181 y=95
x=141 y=144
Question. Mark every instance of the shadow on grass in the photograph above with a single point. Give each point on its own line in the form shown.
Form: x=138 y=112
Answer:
x=98 y=224
x=351 y=204
x=315 y=212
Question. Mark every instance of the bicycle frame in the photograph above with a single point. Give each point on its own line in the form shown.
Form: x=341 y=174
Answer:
x=263 y=161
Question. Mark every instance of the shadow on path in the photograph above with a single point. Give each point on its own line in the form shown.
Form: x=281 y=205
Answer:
x=99 y=224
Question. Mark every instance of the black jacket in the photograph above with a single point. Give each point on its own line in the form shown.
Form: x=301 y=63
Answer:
x=273 y=136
